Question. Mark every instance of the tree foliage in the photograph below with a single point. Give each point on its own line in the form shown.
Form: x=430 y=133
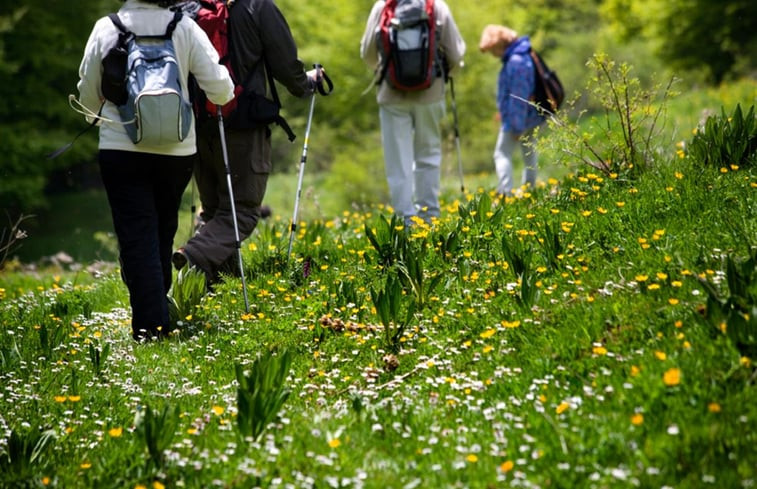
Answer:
x=41 y=44
x=716 y=37
x=40 y=48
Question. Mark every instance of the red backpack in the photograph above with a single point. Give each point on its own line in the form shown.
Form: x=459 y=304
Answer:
x=407 y=41
x=212 y=16
x=247 y=109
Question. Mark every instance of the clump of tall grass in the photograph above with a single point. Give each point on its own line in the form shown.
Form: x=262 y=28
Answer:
x=727 y=141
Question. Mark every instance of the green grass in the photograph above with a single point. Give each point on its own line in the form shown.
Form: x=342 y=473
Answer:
x=79 y=224
x=598 y=332
x=607 y=377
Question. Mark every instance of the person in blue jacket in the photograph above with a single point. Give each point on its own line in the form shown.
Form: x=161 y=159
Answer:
x=515 y=87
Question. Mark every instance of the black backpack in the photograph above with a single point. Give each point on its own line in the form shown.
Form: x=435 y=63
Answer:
x=548 y=90
x=407 y=40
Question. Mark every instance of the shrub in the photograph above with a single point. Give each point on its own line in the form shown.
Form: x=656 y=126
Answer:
x=624 y=140
x=725 y=141
x=185 y=294
x=261 y=392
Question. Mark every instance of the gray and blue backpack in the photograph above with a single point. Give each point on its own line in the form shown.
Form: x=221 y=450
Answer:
x=141 y=77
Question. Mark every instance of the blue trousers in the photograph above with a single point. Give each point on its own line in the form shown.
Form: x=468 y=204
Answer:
x=144 y=191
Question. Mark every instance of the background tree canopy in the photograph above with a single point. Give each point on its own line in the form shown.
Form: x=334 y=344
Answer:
x=41 y=44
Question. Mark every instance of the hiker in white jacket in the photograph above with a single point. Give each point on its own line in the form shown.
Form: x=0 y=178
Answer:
x=145 y=183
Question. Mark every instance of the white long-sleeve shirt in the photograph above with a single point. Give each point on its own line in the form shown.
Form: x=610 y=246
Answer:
x=194 y=54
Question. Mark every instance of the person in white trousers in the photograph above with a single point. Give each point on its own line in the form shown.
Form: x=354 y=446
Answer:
x=411 y=122
x=515 y=86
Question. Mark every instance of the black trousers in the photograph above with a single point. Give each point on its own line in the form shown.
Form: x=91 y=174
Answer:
x=144 y=191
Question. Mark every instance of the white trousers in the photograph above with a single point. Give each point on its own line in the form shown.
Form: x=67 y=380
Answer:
x=503 y=160
x=411 y=137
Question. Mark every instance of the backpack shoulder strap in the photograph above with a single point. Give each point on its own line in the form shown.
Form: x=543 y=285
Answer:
x=430 y=8
x=385 y=19
x=172 y=25
x=272 y=87
x=169 y=29
x=119 y=25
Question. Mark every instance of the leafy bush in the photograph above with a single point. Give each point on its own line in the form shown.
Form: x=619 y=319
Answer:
x=735 y=313
x=727 y=141
x=185 y=295
x=262 y=392
x=625 y=140
x=23 y=456
x=157 y=429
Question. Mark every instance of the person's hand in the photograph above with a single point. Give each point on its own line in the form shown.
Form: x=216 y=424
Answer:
x=316 y=75
x=318 y=78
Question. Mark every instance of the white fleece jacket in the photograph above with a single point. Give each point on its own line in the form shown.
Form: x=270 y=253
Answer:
x=194 y=52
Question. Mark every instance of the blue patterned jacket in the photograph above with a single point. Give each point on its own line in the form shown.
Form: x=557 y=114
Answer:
x=517 y=78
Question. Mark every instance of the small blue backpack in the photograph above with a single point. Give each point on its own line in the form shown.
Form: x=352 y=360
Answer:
x=141 y=76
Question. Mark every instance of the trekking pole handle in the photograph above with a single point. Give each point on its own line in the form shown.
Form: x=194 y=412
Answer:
x=323 y=77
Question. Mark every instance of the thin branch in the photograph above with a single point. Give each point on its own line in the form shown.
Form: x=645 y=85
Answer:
x=14 y=235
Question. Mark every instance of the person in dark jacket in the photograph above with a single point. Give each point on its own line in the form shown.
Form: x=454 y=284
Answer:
x=259 y=38
x=144 y=181
x=515 y=86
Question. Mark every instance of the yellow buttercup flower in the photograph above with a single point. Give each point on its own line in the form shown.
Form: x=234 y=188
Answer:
x=672 y=377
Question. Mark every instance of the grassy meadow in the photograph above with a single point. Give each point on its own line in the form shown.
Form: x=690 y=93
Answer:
x=598 y=331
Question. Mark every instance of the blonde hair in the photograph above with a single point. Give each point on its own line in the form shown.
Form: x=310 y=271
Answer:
x=496 y=35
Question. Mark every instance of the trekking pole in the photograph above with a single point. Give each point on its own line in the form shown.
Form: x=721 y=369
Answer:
x=457 y=133
x=304 y=157
x=192 y=209
x=233 y=206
